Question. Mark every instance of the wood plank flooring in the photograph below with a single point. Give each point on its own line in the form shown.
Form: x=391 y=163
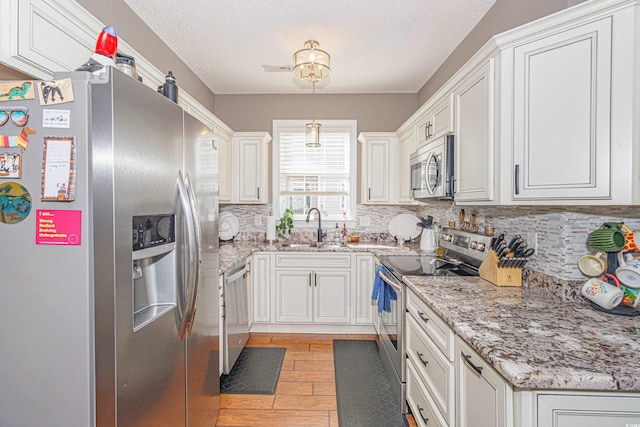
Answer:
x=306 y=392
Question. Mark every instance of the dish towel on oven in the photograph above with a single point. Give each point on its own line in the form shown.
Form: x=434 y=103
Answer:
x=382 y=292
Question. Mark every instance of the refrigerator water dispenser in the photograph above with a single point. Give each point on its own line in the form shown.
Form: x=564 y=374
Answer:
x=153 y=269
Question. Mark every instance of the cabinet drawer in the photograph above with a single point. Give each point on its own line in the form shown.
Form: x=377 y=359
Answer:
x=313 y=260
x=435 y=327
x=421 y=404
x=434 y=369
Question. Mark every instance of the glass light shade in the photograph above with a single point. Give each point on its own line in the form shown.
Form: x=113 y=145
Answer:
x=312 y=134
x=311 y=64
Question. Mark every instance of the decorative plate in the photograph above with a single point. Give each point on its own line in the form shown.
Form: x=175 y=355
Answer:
x=404 y=226
x=228 y=226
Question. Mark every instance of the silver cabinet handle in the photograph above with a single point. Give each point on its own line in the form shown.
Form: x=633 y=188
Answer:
x=517 y=179
x=258 y=193
x=425 y=419
x=309 y=279
x=423 y=317
x=424 y=362
x=467 y=358
x=315 y=279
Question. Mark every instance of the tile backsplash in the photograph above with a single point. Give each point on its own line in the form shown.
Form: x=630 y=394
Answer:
x=561 y=231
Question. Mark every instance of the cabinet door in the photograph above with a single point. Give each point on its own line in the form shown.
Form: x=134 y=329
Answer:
x=562 y=115
x=294 y=295
x=332 y=297
x=249 y=164
x=224 y=169
x=378 y=177
x=364 y=288
x=261 y=279
x=406 y=146
x=483 y=398
x=581 y=410
x=442 y=118
x=474 y=167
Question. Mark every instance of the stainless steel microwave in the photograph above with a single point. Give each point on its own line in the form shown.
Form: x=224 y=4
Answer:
x=432 y=170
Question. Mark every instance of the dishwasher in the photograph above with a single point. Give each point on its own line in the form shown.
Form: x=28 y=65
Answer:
x=235 y=315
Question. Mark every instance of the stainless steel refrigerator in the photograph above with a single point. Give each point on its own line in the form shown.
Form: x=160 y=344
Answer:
x=119 y=325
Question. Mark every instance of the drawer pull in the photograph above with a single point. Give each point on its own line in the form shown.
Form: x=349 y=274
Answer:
x=425 y=419
x=422 y=316
x=467 y=359
x=424 y=362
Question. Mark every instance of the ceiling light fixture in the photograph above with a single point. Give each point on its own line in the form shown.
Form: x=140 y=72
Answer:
x=312 y=65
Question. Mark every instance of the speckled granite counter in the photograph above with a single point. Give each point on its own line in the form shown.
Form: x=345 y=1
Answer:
x=231 y=253
x=534 y=339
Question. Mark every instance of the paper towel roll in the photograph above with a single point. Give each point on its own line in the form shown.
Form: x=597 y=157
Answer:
x=271 y=228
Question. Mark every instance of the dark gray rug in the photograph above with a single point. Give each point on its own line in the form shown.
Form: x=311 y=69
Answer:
x=256 y=371
x=364 y=393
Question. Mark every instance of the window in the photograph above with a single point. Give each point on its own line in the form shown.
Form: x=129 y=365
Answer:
x=322 y=177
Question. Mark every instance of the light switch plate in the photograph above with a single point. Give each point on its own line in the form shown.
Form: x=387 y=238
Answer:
x=532 y=240
x=257 y=220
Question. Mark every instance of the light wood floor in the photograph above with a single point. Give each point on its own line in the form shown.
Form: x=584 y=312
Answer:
x=306 y=393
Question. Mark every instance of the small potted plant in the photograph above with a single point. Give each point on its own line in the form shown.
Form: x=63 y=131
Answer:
x=286 y=223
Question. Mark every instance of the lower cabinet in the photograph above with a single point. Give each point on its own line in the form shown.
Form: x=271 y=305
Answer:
x=587 y=410
x=459 y=388
x=483 y=398
x=304 y=296
x=261 y=286
x=366 y=311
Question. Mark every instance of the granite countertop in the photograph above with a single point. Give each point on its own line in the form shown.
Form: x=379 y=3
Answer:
x=535 y=339
x=232 y=252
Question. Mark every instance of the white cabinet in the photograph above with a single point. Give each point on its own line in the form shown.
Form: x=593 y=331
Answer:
x=365 y=270
x=474 y=166
x=406 y=147
x=562 y=115
x=313 y=288
x=436 y=121
x=250 y=167
x=379 y=177
x=483 y=398
x=261 y=280
x=587 y=410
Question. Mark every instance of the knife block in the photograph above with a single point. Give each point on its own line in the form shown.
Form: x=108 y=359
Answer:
x=499 y=276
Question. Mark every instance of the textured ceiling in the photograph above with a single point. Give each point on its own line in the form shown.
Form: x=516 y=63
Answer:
x=376 y=46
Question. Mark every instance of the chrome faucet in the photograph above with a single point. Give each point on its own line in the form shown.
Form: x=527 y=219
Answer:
x=320 y=233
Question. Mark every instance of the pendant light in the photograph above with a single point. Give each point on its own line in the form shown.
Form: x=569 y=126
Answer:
x=312 y=65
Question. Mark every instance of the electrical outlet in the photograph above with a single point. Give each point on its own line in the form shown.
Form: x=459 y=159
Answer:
x=365 y=221
x=257 y=220
x=532 y=240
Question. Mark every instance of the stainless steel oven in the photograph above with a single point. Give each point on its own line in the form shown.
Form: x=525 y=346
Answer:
x=392 y=332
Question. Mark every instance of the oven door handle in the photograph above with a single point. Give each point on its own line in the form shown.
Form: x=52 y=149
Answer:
x=389 y=282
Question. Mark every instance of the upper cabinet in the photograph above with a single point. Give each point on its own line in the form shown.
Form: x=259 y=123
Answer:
x=562 y=115
x=379 y=168
x=250 y=168
x=406 y=147
x=436 y=121
x=546 y=113
x=473 y=140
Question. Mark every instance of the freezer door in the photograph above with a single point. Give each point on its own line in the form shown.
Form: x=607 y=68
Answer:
x=203 y=381
x=137 y=155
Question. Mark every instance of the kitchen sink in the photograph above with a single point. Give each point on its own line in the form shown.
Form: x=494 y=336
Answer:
x=300 y=245
x=368 y=246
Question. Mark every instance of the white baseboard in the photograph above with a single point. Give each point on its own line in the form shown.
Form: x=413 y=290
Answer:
x=312 y=329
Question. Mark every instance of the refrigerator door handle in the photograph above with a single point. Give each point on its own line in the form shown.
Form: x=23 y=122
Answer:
x=198 y=251
x=191 y=246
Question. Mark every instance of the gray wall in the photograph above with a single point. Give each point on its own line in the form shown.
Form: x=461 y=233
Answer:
x=503 y=15
x=139 y=36
x=374 y=112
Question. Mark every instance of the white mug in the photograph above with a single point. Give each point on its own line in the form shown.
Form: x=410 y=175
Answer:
x=602 y=293
x=593 y=265
x=629 y=270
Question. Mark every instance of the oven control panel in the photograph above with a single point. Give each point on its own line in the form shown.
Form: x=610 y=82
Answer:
x=470 y=244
